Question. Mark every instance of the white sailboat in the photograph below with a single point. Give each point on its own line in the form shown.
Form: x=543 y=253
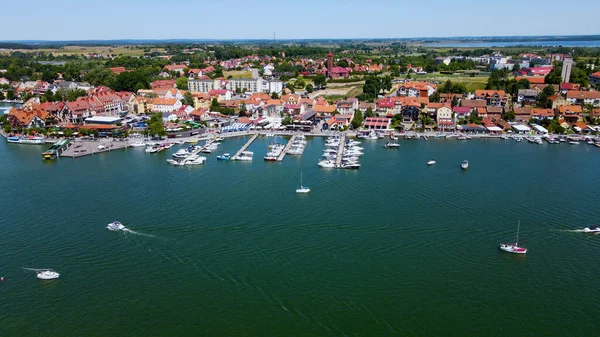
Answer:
x=302 y=189
x=514 y=248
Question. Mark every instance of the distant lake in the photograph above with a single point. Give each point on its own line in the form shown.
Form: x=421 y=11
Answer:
x=5 y=107
x=486 y=44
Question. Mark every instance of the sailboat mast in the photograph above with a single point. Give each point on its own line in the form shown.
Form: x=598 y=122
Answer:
x=518 y=228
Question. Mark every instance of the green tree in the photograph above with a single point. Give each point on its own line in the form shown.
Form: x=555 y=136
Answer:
x=516 y=68
x=188 y=99
x=435 y=97
x=309 y=88
x=543 y=99
x=357 y=120
x=155 y=125
x=274 y=95
x=342 y=63
x=509 y=115
x=319 y=80
x=182 y=83
x=7 y=128
x=395 y=70
x=131 y=81
x=454 y=101
x=287 y=120
x=10 y=95
x=1 y=95
x=369 y=113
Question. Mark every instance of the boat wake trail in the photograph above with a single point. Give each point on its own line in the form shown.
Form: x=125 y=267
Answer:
x=127 y=230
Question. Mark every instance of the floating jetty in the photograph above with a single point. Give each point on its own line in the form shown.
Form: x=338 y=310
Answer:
x=340 y=153
x=55 y=150
x=244 y=147
x=286 y=148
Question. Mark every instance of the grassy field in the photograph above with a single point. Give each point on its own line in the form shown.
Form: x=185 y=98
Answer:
x=79 y=50
x=237 y=74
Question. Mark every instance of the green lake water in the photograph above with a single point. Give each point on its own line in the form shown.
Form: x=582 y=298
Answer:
x=229 y=249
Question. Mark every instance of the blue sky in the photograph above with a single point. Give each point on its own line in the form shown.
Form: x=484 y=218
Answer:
x=237 y=19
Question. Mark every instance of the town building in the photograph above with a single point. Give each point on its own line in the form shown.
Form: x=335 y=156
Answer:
x=584 y=98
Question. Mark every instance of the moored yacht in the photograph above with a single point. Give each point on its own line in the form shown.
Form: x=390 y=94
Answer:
x=245 y=156
x=431 y=162
x=224 y=156
x=326 y=164
x=464 y=165
x=391 y=145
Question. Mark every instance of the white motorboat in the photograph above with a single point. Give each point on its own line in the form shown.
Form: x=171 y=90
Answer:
x=393 y=137
x=333 y=144
x=138 y=144
x=192 y=159
x=464 y=165
x=372 y=136
x=167 y=145
x=353 y=153
x=574 y=142
x=461 y=137
x=350 y=166
x=562 y=140
x=301 y=188
x=183 y=153
x=152 y=148
x=47 y=274
x=245 y=156
x=352 y=143
x=224 y=156
x=519 y=139
x=115 y=226
x=391 y=145
x=591 y=230
x=431 y=162
x=326 y=164
x=514 y=248
x=504 y=137
x=353 y=148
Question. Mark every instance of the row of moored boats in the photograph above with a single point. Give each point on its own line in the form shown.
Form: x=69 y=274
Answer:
x=351 y=152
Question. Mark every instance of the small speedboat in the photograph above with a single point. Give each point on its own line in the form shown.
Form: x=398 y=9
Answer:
x=47 y=274
x=138 y=144
x=270 y=158
x=574 y=142
x=391 y=145
x=224 y=156
x=591 y=230
x=461 y=137
x=431 y=162
x=115 y=226
x=464 y=165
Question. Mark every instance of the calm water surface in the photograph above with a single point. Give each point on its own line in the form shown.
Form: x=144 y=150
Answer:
x=228 y=249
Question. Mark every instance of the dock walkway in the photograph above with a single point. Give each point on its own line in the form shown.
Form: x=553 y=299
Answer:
x=286 y=148
x=245 y=146
x=340 y=153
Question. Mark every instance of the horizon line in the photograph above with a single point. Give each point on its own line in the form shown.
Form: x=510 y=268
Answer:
x=296 y=39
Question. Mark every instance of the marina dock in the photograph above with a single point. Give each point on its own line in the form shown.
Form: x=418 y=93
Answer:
x=340 y=153
x=286 y=148
x=86 y=148
x=245 y=146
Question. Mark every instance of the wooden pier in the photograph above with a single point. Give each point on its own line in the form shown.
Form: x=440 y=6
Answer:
x=201 y=148
x=244 y=147
x=340 y=153
x=286 y=148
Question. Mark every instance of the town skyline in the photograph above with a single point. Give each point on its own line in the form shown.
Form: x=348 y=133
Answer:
x=112 y=20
